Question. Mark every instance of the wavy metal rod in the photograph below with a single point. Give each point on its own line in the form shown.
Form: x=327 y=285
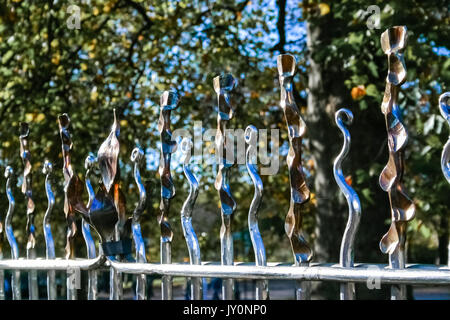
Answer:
x=251 y=136
x=393 y=42
x=49 y=244
x=89 y=164
x=27 y=191
x=15 y=277
x=444 y=107
x=137 y=156
x=2 y=272
x=169 y=101
x=346 y=258
x=299 y=190
x=186 y=218
x=223 y=84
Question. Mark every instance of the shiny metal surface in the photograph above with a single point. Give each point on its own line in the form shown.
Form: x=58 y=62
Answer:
x=251 y=138
x=168 y=102
x=299 y=190
x=444 y=108
x=15 y=277
x=186 y=218
x=25 y=154
x=393 y=42
x=137 y=156
x=49 y=244
x=223 y=85
x=344 y=117
x=89 y=164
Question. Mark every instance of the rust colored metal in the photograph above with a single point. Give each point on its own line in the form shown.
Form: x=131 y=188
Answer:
x=393 y=42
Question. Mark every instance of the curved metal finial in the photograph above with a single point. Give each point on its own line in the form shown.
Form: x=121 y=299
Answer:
x=299 y=191
x=345 y=117
x=223 y=84
x=49 y=244
x=251 y=136
x=137 y=156
x=393 y=42
x=186 y=217
x=108 y=155
x=444 y=107
x=15 y=278
x=73 y=187
x=25 y=154
x=169 y=101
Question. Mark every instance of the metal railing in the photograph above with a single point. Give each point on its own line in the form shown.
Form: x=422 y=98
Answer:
x=105 y=211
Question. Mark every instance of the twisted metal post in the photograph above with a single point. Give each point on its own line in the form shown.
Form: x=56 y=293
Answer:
x=186 y=218
x=299 y=190
x=251 y=136
x=73 y=188
x=89 y=163
x=223 y=84
x=169 y=101
x=49 y=244
x=346 y=258
x=15 y=277
x=137 y=156
x=393 y=42
x=27 y=191
x=444 y=107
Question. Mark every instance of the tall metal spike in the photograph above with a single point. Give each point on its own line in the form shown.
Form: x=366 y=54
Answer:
x=346 y=257
x=393 y=42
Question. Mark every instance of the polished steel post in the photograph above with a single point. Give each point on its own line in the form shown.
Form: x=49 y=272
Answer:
x=444 y=107
x=89 y=164
x=393 y=42
x=49 y=244
x=186 y=218
x=27 y=191
x=15 y=277
x=299 y=190
x=169 y=101
x=223 y=84
x=344 y=117
x=251 y=137
x=137 y=157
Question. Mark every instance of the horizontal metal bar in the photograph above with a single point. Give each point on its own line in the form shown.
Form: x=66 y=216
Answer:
x=52 y=264
x=417 y=274
x=413 y=274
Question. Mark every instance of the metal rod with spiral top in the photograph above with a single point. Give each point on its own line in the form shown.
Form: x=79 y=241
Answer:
x=444 y=107
x=15 y=276
x=186 y=218
x=137 y=156
x=251 y=136
x=223 y=84
x=89 y=164
x=27 y=191
x=49 y=244
x=393 y=42
x=344 y=117
x=169 y=101
x=300 y=193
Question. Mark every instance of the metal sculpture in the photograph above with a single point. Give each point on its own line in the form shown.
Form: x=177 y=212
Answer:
x=444 y=107
x=27 y=191
x=15 y=277
x=137 y=156
x=223 y=84
x=49 y=244
x=169 y=101
x=251 y=136
x=393 y=42
x=186 y=218
x=299 y=190
x=344 y=117
x=89 y=164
